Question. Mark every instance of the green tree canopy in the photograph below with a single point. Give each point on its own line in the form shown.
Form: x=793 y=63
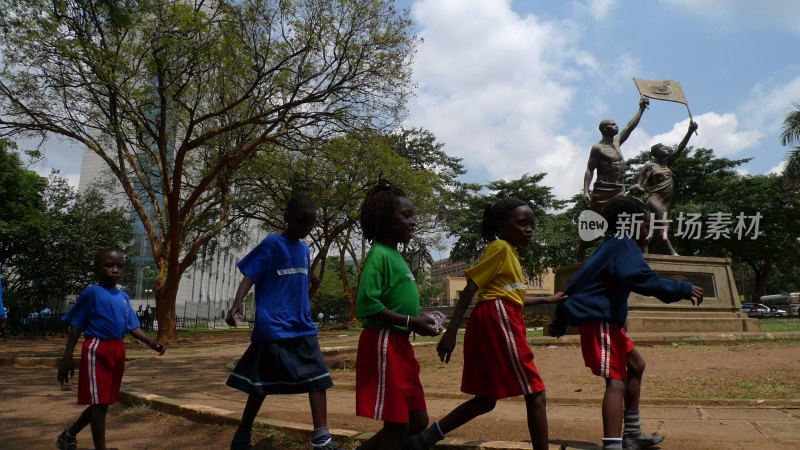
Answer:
x=176 y=96
x=709 y=185
x=22 y=202
x=791 y=136
x=553 y=238
x=58 y=262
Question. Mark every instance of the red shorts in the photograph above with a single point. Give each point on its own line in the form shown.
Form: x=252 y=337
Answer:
x=387 y=376
x=605 y=347
x=100 y=376
x=498 y=362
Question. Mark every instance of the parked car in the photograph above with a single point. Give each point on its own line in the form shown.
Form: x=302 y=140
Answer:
x=775 y=312
x=756 y=310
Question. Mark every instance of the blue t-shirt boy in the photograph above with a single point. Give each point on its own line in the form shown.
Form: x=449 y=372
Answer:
x=102 y=312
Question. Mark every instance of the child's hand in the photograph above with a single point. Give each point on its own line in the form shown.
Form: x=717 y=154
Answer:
x=158 y=347
x=424 y=326
x=446 y=346
x=697 y=295
x=559 y=297
x=237 y=310
x=66 y=370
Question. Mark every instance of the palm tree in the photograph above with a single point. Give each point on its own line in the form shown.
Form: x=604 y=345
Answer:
x=791 y=135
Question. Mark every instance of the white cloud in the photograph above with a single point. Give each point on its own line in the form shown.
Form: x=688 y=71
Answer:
x=737 y=14
x=494 y=86
x=72 y=178
x=598 y=9
x=777 y=170
x=768 y=105
x=720 y=132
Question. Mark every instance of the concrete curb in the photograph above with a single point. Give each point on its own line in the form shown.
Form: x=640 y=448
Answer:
x=207 y=414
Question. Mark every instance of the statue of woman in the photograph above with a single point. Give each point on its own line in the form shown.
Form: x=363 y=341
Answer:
x=658 y=176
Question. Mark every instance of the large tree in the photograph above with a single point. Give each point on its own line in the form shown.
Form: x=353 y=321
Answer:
x=175 y=96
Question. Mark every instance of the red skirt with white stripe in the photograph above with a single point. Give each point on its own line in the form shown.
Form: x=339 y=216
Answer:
x=498 y=362
x=100 y=375
x=605 y=347
x=387 y=376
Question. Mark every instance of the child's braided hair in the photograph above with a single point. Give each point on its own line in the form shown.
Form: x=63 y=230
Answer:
x=377 y=211
x=495 y=213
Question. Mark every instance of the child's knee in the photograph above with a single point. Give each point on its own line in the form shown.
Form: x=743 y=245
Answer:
x=536 y=400
x=614 y=385
x=484 y=404
x=636 y=364
x=395 y=430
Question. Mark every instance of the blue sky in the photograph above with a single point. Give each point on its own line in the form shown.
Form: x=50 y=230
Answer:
x=517 y=87
x=520 y=86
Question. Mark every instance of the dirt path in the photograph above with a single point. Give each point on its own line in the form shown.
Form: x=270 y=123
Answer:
x=195 y=370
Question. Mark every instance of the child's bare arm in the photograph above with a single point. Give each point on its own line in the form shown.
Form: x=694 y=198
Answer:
x=557 y=298
x=154 y=345
x=448 y=342
x=422 y=325
x=66 y=368
x=237 y=309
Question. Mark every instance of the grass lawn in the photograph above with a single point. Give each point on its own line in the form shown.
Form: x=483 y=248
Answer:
x=778 y=324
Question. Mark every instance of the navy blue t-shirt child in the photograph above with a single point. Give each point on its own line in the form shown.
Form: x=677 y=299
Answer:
x=600 y=288
x=279 y=268
x=101 y=312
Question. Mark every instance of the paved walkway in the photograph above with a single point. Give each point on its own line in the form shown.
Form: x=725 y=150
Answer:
x=190 y=382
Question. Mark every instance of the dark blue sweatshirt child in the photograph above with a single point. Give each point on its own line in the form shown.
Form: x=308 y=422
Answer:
x=598 y=306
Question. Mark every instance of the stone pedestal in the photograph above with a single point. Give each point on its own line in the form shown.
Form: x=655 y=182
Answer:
x=718 y=313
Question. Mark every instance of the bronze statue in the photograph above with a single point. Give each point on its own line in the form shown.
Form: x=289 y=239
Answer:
x=606 y=158
x=658 y=176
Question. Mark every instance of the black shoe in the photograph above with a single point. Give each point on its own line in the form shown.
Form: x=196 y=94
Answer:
x=641 y=440
x=65 y=442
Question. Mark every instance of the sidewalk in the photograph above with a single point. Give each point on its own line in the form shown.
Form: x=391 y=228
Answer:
x=191 y=382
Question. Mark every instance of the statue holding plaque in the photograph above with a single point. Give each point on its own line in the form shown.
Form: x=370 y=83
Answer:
x=658 y=174
x=605 y=158
x=720 y=310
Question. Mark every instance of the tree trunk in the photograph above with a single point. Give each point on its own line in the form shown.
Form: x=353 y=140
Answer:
x=316 y=280
x=348 y=291
x=166 y=291
x=762 y=274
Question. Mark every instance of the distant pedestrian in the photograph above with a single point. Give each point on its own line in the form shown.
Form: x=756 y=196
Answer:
x=320 y=317
x=105 y=315
x=147 y=316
